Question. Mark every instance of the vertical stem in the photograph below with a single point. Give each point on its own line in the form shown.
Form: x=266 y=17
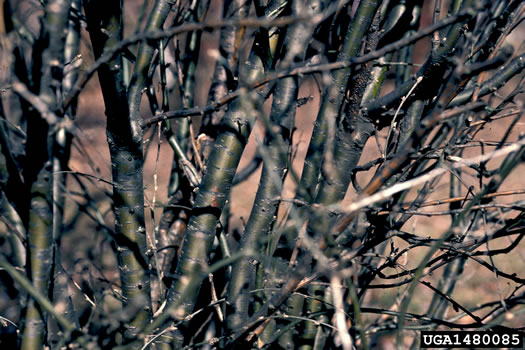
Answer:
x=313 y=333
x=278 y=138
x=214 y=190
x=37 y=174
x=333 y=99
x=40 y=256
x=179 y=191
x=61 y=152
x=128 y=162
x=352 y=129
x=125 y=143
x=210 y=200
x=223 y=76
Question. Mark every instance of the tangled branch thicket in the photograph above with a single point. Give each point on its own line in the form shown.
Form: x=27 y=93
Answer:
x=340 y=174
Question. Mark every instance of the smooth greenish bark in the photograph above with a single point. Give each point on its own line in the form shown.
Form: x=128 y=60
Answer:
x=210 y=200
x=128 y=174
x=178 y=188
x=278 y=138
x=354 y=130
x=61 y=151
x=37 y=174
x=333 y=99
x=233 y=133
x=225 y=66
x=312 y=334
x=434 y=68
x=40 y=242
x=125 y=143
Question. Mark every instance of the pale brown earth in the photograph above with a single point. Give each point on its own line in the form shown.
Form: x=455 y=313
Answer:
x=476 y=285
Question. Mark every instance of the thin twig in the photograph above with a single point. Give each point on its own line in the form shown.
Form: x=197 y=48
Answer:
x=403 y=186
